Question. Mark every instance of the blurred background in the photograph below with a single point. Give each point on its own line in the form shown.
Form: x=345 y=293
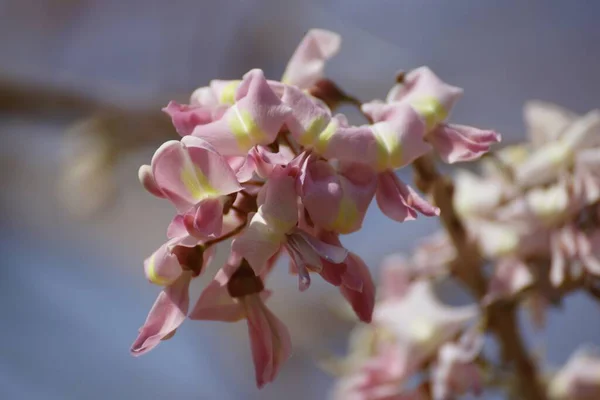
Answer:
x=72 y=290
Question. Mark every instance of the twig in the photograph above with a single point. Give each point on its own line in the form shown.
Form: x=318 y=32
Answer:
x=226 y=236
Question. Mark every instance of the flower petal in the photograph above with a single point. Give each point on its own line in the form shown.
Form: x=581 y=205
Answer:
x=190 y=171
x=455 y=143
x=269 y=339
x=185 y=118
x=215 y=303
x=308 y=61
x=399 y=201
x=362 y=301
x=167 y=313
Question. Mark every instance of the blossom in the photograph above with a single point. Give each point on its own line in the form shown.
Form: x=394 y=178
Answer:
x=456 y=372
x=236 y=293
x=337 y=200
x=419 y=324
x=254 y=119
x=579 y=379
x=433 y=100
x=274 y=226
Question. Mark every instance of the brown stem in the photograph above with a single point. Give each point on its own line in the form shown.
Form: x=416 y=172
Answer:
x=467 y=268
x=226 y=236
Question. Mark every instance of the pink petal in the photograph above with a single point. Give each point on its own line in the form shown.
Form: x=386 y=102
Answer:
x=332 y=253
x=206 y=220
x=422 y=83
x=215 y=303
x=399 y=201
x=396 y=277
x=269 y=339
x=308 y=61
x=190 y=171
x=147 y=180
x=185 y=118
x=456 y=143
x=254 y=119
x=362 y=301
x=163 y=267
x=258 y=242
x=278 y=200
x=167 y=313
x=308 y=118
x=338 y=201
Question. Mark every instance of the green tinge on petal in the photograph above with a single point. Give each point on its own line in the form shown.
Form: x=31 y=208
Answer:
x=245 y=129
x=347 y=216
x=151 y=273
x=322 y=140
x=197 y=183
x=389 y=148
x=431 y=110
x=228 y=93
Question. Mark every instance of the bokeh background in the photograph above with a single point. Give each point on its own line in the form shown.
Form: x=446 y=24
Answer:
x=72 y=291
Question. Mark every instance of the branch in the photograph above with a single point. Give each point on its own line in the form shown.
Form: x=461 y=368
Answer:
x=467 y=268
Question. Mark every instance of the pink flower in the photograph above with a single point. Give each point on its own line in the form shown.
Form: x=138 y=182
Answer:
x=236 y=293
x=186 y=117
x=433 y=100
x=579 y=379
x=306 y=65
x=274 y=226
x=573 y=252
x=455 y=372
x=194 y=177
x=337 y=200
x=419 y=324
x=399 y=201
x=254 y=119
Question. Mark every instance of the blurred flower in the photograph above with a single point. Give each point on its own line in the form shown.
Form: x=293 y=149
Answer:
x=579 y=379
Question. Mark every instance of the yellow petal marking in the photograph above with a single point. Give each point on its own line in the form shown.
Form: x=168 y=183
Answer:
x=389 y=148
x=228 y=93
x=322 y=140
x=246 y=131
x=197 y=183
x=431 y=110
x=346 y=217
x=151 y=273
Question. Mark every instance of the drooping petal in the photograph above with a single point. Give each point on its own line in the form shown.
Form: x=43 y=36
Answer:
x=215 y=303
x=362 y=301
x=269 y=339
x=190 y=171
x=308 y=61
x=185 y=118
x=399 y=201
x=167 y=313
x=253 y=120
x=457 y=143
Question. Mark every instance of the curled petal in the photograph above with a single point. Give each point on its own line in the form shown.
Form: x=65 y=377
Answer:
x=167 y=313
x=206 y=220
x=399 y=201
x=308 y=61
x=455 y=143
x=269 y=339
x=147 y=180
x=185 y=118
x=163 y=267
x=190 y=171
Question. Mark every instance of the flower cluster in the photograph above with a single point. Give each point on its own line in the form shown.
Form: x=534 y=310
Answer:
x=268 y=164
x=533 y=217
